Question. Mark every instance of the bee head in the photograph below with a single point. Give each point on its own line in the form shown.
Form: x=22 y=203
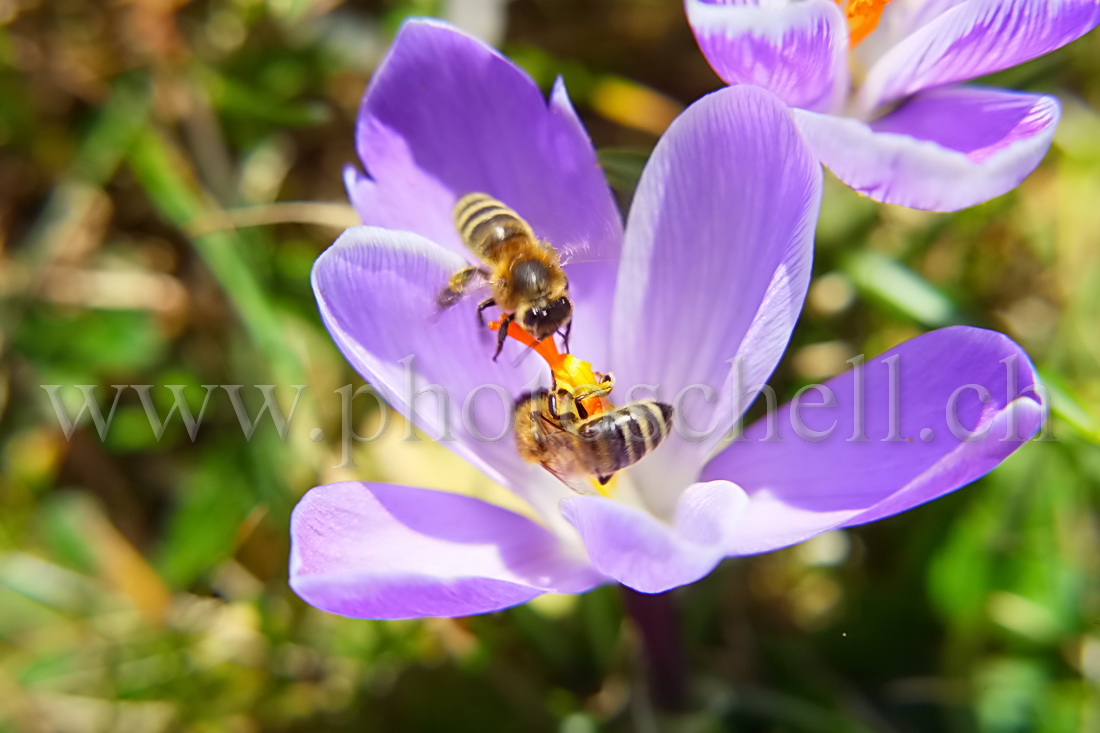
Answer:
x=543 y=320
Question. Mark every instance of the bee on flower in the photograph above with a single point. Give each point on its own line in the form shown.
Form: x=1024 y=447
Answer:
x=691 y=303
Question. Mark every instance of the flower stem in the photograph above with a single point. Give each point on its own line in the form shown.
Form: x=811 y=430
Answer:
x=666 y=668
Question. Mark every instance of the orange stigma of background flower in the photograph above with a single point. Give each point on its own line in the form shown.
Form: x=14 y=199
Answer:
x=863 y=17
x=569 y=371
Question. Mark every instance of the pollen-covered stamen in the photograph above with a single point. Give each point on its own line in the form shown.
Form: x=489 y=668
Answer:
x=569 y=372
x=863 y=17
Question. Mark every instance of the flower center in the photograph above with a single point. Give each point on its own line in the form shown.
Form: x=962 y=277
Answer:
x=863 y=17
x=569 y=371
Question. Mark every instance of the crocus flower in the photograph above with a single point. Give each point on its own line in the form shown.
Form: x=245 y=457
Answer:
x=890 y=119
x=711 y=271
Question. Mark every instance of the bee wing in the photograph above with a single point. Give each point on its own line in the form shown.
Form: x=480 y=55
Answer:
x=575 y=253
x=556 y=435
x=576 y=483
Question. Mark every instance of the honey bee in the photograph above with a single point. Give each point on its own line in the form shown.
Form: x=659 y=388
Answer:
x=524 y=273
x=554 y=429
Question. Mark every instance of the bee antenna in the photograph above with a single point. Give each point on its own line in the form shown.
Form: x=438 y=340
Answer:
x=565 y=336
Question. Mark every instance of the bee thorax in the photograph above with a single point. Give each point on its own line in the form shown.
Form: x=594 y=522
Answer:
x=530 y=278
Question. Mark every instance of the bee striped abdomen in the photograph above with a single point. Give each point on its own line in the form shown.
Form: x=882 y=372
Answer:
x=624 y=436
x=524 y=274
x=485 y=223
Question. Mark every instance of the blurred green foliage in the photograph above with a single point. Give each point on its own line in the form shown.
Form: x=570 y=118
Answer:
x=153 y=152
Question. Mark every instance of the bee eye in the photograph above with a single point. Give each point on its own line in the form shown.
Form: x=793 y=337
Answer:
x=533 y=316
x=552 y=405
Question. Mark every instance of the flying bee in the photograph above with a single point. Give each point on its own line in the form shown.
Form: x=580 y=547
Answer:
x=523 y=272
x=554 y=429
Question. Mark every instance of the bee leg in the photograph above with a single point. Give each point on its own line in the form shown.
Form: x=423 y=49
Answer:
x=588 y=392
x=603 y=389
x=502 y=332
x=568 y=416
x=568 y=410
x=604 y=479
x=457 y=285
x=487 y=303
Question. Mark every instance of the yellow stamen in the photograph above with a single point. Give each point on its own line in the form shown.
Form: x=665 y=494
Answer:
x=569 y=371
x=863 y=17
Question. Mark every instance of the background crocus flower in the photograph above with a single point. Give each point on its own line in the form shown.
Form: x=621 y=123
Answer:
x=712 y=267
x=906 y=132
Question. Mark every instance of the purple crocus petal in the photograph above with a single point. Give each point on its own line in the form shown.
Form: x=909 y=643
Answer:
x=973 y=39
x=446 y=115
x=385 y=552
x=798 y=51
x=892 y=451
x=640 y=551
x=714 y=271
x=902 y=17
x=943 y=150
x=376 y=291
x=899 y=19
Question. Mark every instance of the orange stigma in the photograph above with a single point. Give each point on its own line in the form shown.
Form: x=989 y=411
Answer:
x=863 y=17
x=569 y=371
